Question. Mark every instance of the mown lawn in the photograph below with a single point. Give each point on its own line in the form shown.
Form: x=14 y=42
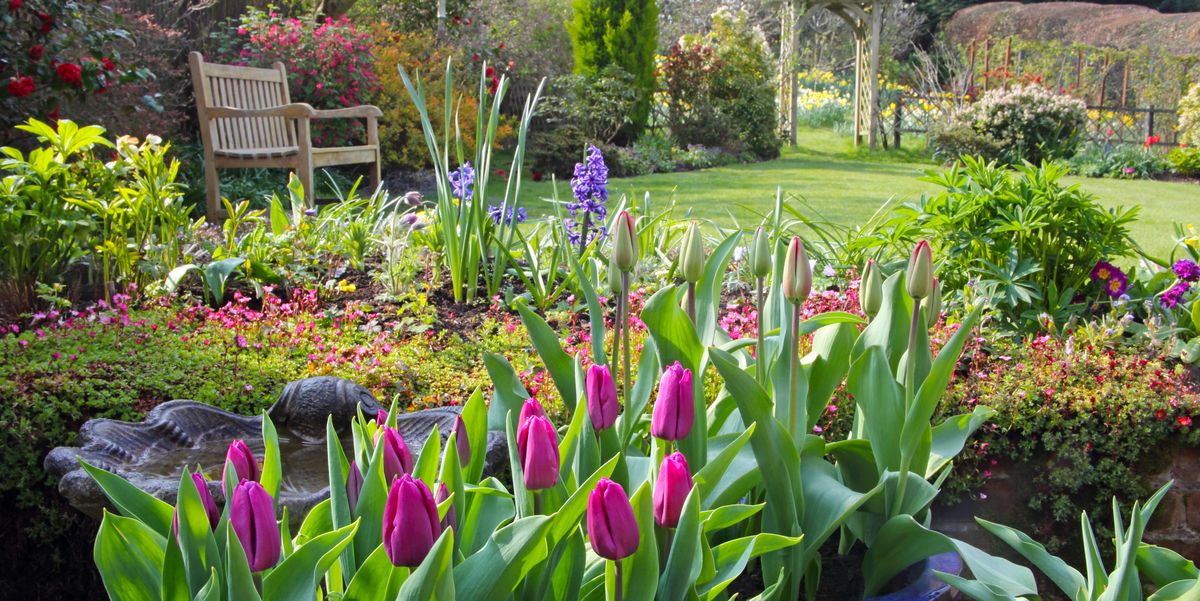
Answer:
x=844 y=185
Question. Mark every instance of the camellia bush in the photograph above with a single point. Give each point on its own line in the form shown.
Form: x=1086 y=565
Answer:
x=1022 y=123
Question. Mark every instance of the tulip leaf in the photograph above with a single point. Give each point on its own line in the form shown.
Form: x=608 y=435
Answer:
x=566 y=519
x=731 y=559
x=716 y=478
x=684 y=559
x=641 y=568
x=888 y=330
x=426 y=466
x=950 y=436
x=825 y=367
x=545 y=341
x=239 y=583
x=131 y=501
x=197 y=544
x=174 y=575
x=521 y=495
x=595 y=310
x=129 y=555
x=318 y=521
x=211 y=590
x=880 y=403
x=433 y=579
x=272 y=472
x=1180 y=590
x=676 y=340
x=975 y=589
x=371 y=501
x=297 y=576
x=828 y=503
x=708 y=289
x=508 y=395
x=492 y=573
x=1164 y=566
x=475 y=416
x=489 y=506
x=452 y=477
x=648 y=371
x=339 y=502
x=1065 y=577
x=376 y=575
x=728 y=515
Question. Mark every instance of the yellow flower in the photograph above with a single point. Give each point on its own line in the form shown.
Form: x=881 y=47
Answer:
x=345 y=286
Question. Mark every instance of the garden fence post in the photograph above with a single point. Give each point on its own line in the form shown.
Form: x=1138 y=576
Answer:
x=898 y=119
x=1150 y=122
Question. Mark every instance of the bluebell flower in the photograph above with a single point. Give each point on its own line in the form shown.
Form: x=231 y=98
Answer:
x=462 y=181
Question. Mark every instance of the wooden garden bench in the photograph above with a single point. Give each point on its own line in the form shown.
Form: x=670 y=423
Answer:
x=247 y=120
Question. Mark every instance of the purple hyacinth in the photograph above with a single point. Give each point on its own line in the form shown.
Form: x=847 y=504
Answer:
x=589 y=184
x=1174 y=294
x=575 y=235
x=513 y=213
x=1186 y=270
x=462 y=180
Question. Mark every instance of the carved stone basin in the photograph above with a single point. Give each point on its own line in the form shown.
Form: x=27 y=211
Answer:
x=151 y=454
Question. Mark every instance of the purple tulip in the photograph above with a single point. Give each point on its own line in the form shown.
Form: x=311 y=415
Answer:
x=354 y=484
x=674 y=409
x=245 y=466
x=671 y=490
x=601 y=397
x=537 y=447
x=462 y=440
x=206 y=499
x=381 y=417
x=397 y=459
x=451 y=519
x=611 y=526
x=252 y=514
x=410 y=522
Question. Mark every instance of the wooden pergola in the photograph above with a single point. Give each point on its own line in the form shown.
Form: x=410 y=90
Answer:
x=865 y=18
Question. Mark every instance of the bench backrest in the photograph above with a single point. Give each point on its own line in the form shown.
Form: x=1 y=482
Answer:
x=244 y=88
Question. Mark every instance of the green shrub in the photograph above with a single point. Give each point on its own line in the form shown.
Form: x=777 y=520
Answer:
x=1122 y=162
x=1023 y=123
x=1185 y=161
x=1189 y=116
x=622 y=33
x=555 y=151
x=599 y=105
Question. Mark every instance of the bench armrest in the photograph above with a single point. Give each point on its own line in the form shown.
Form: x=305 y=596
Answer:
x=295 y=110
x=359 y=112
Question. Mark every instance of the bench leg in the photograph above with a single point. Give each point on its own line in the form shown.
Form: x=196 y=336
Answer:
x=212 y=191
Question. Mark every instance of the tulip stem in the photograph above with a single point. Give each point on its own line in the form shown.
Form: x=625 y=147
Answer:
x=910 y=369
x=617 y=590
x=794 y=362
x=691 y=302
x=625 y=334
x=760 y=370
x=537 y=502
x=616 y=346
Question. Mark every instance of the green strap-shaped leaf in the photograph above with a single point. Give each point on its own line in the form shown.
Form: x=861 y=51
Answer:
x=272 y=469
x=880 y=401
x=648 y=372
x=545 y=341
x=339 y=502
x=239 y=583
x=728 y=515
x=509 y=394
x=717 y=477
x=376 y=579
x=708 y=289
x=131 y=501
x=950 y=436
x=174 y=575
x=434 y=578
x=675 y=339
x=684 y=561
x=1164 y=566
x=732 y=557
x=975 y=589
x=595 y=311
x=1181 y=590
x=426 y=466
x=297 y=576
x=827 y=502
x=1066 y=578
x=494 y=571
x=200 y=552
x=129 y=556
x=641 y=568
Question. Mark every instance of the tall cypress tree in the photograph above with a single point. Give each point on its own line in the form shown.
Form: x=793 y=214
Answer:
x=620 y=32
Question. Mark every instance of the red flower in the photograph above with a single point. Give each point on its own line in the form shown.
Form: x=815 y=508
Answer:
x=20 y=86
x=70 y=74
x=13 y=5
x=495 y=85
x=501 y=46
x=1160 y=414
x=108 y=64
x=475 y=56
x=36 y=51
x=489 y=72
x=511 y=64
x=501 y=173
x=1184 y=421
x=53 y=116
x=537 y=175
x=47 y=21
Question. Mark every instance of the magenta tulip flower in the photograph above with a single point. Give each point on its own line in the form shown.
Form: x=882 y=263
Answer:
x=462 y=441
x=354 y=484
x=242 y=460
x=381 y=417
x=451 y=518
x=397 y=459
x=671 y=490
x=601 y=397
x=252 y=514
x=611 y=526
x=410 y=522
x=531 y=408
x=537 y=448
x=674 y=409
x=206 y=499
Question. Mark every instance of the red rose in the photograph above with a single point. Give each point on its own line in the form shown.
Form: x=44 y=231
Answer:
x=13 y=5
x=36 y=51
x=20 y=86
x=70 y=74
x=108 y=64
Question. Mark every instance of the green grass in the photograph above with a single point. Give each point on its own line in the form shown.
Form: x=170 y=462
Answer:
x=846 y=185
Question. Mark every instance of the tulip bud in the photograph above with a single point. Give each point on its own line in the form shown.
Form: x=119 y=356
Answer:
x=919 y=276
x=451 y=519
x=244 y=465
x=537 y=448
x=381 y=417
x=870 y=289
x=691 y=255
x=933 y=304
x=354 y=484
x=614 y=276
x=530 y=409
x=797 y=273
x=760 y=254
x=462 y=441
x=624 y=249
x=397 y=458
x=206 y=499
x=674 y=409
x=671 y=490
x=252 y=515
x=612 y=528
x=601 y=397
x=410 y=522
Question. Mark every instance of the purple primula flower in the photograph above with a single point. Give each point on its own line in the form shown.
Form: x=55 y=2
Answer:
x=513 y=213
x=1103 y=270
x=1116 y=284
x=1174 y=294
x=462 y=181
x=1187 y=270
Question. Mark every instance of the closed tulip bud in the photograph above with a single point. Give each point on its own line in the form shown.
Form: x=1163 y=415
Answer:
x=612 y=528
x=614 y=276
x=671 y=490
x=450 y=520
x=601 y=397
x=625 y=252
x=252 y=515
x=410 y=522
x=797 y=273
x=206 y=499
x=531 y=408
x=462 y=441
x=934 y=302
x=674 y=409
x=691 y=254
x=919 y=276
x=354 y=484
x=537 y=448
x=381 y=417
x=244 y=465
x=760 y=254
x=397 y=458
x=870 y=289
